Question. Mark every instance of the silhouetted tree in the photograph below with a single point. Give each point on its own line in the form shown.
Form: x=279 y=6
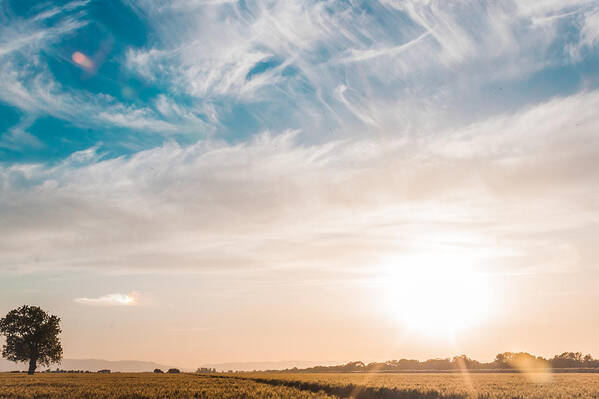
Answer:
x=463 y=361
x=158 y=371
x=173 y=371
x=567 y=360
x=353 y=366
x=590 y=362
x=205 y=370
x=587 y=358
x=436 y=364
x=31 y=335
x=501 y=361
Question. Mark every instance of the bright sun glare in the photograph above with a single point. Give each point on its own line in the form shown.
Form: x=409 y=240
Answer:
x=437 y=296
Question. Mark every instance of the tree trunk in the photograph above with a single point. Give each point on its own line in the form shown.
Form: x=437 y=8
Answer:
x=32 y=365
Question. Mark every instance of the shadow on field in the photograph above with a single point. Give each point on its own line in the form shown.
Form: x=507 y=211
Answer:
x=359 y=392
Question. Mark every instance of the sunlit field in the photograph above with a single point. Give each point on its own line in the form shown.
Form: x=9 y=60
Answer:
x=279 y=385
x=477 y=385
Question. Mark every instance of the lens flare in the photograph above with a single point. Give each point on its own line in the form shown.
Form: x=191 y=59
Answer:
x=82 y=60
x=536 y=370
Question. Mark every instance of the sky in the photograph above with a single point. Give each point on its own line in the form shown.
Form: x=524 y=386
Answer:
x=204 y=181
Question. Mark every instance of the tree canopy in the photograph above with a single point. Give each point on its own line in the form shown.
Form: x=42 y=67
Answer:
x=31 y=335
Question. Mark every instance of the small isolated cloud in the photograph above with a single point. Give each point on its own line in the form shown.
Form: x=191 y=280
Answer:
x=110 y=300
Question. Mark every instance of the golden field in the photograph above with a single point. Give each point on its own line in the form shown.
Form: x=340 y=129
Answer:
x=140 y=386
x=305 y=386
x=475 y=385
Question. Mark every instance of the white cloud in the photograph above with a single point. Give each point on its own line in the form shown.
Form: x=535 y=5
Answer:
x=35 y=91
x=550 y=7
x=363 y=55
x=520 y=184
x=412 y=58
x=590 y=30
x=110 y=300
x=589 y=35
x=22 y=35
x=17 y=137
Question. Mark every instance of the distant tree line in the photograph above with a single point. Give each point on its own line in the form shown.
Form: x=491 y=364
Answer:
x=504 y=361
x=205 y=370
x=57 y=371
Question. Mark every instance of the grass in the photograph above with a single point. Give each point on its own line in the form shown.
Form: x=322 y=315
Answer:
x=304 y=386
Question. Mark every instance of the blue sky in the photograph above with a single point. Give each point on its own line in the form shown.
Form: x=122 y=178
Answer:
x=229 y=70
x=160 y=157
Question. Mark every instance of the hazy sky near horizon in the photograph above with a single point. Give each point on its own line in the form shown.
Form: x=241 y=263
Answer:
x=202 y=181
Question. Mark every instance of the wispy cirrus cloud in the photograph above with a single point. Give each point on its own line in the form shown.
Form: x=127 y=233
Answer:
x=589 y=34
x=28 y=84
x=110 y=300
x=35 y=33
x=40 y=94
x=332 y=69
x=382 y=53
x=18 y=137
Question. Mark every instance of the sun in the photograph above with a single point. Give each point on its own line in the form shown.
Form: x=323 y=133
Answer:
x=436 y=295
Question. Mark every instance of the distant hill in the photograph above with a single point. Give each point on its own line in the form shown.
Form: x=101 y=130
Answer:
x=130 y=366
x=135 y=366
